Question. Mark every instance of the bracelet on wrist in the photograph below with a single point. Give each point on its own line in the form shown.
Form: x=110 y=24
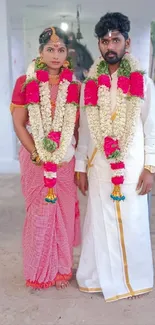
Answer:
x=35 y=157
x=36 y=161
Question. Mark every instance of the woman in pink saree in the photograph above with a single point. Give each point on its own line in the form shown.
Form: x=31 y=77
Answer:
x=45 y=115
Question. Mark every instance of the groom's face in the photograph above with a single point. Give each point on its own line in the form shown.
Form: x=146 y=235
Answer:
x=113 y=46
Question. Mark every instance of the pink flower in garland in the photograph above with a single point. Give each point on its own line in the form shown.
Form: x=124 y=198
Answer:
x=50 y=167
x=66 y=74
x=73 y=93
x=104 y=80
x=52 y=141
x=117 y=165
x=50 y=182
x=117 y=180
x=32 y=92
x=55 y=136
x=111 y=147
x=91 y=93
x=124 y=84
x=42 y=75
x=137 y=84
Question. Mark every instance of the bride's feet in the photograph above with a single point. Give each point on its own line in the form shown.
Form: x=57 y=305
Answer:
x=34 y=290
x=61 y=284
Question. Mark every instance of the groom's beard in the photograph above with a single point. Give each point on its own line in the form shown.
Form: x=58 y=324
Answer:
x=112 y=57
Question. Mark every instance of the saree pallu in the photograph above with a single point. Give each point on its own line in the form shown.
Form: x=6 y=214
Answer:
x=50 y=230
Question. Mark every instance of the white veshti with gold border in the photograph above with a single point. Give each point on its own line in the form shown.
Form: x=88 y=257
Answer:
x=116 y=256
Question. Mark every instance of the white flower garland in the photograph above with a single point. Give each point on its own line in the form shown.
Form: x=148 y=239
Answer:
x=45 y=107
x=94 y=126
x=100 y=121
x=104 y=104
x=41 y=122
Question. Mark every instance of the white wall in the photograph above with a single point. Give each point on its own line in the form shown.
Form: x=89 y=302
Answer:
x=140 y=42
x=17 y=48
x=17 y=58
x=8 y=162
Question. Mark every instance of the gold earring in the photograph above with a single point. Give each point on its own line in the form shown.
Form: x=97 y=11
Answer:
x=66 y=64
x=41 y=59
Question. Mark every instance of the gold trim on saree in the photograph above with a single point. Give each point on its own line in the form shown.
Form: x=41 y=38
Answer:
x=13 y=106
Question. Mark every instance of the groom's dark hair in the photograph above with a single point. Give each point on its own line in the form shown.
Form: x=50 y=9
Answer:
x=113 y=21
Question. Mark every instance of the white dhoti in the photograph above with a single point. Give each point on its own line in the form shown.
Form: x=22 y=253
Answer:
x=116 y=256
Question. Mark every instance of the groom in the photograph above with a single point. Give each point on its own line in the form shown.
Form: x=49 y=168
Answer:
x=116 y=157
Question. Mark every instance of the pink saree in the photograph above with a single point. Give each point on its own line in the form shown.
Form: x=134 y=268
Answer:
x=50 y=230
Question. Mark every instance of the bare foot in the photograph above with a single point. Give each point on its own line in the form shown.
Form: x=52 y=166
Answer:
x=61 y=284
x=138 y=296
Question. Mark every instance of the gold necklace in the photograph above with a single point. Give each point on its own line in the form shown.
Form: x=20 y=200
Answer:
x=54 y=79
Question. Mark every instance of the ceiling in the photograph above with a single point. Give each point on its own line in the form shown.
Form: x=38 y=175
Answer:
x=90 y=9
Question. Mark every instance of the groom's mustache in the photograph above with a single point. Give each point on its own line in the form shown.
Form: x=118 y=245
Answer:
x=111 y=52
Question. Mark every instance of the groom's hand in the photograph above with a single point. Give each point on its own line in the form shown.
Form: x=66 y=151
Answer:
x=145 y=182
x=82 y=182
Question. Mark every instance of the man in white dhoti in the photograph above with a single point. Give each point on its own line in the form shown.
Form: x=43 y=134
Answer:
x=115 y=160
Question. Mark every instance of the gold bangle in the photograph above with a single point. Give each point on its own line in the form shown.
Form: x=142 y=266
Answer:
x=36 y=161
x=35 y=157
x=34 y=150
x=34 y=154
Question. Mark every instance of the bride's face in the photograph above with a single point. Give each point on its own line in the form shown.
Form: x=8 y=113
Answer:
x=54 y=54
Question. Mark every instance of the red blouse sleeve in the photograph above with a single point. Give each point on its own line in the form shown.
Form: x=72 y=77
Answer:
x=18 y=95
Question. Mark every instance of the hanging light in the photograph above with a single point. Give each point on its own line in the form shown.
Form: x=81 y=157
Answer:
x=79 y=36
x=64 y=26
